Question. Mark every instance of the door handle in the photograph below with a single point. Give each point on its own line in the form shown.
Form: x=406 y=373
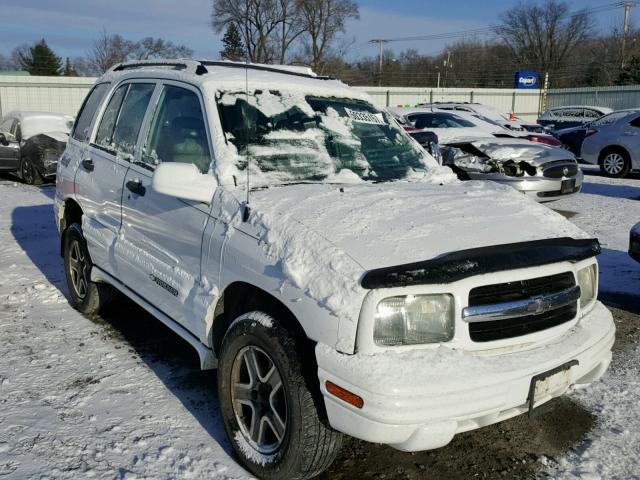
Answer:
x=136 y=187
x=87 y=164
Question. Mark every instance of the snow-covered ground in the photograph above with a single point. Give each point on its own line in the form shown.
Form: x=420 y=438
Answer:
x=121 y=397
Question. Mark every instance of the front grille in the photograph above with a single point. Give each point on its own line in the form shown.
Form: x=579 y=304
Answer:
x=521 y=290
x=561 y=169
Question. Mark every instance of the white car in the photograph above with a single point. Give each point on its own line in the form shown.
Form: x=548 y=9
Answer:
x=339 y=279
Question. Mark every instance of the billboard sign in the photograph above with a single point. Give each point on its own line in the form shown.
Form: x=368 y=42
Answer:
x=526 y=79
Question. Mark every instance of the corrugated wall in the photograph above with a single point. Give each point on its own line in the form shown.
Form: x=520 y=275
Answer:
x=44 y=94
x=617 y=98
x=524 y=103
x=65 y=95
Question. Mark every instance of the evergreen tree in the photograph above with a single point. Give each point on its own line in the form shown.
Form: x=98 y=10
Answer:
x=630 y=74
x=40 y=60
x=233 y=46
x=69 y=69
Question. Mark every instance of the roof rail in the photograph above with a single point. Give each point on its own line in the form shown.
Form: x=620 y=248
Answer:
x=190 y=66
x=284 y=69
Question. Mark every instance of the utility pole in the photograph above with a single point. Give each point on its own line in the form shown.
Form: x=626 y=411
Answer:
x=380 y=42
x=625 y=31
x=447 y=65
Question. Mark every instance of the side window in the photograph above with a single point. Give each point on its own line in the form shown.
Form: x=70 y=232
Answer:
x=635 y=122
x=592 y=114
x=104 y=136
x=88 y=109
x=6 y=126
x=131 y=115
x=177 y=132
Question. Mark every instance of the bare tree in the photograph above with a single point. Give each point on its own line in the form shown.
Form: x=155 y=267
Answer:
x=323 y=21
x=257 y=21
x=149 y=48
x=108 y=50
x=543 y=35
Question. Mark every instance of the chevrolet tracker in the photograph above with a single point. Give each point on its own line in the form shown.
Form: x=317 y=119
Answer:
x=339 y=279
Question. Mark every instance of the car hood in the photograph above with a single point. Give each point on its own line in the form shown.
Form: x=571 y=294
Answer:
x=388 y=224
x=504 y=149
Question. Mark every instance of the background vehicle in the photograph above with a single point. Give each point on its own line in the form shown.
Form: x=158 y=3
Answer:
x=543 y=173
x=489 y=112
x=572 y=138
x=571 y=116
x=634 y=242
x=613 y=142
x=31 y=143
x=268 y=217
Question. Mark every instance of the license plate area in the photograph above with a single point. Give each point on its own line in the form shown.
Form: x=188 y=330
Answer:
x=568 y=186
x=548 y=382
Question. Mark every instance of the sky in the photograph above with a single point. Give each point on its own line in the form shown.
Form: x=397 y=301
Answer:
x=69 y=26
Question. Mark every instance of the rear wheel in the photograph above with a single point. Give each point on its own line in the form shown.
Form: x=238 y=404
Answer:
x=615 y=163
x=86 y=296
x=269 y=413
x=29 y=172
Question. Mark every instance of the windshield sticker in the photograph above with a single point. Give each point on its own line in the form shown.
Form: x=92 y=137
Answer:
x=365 y=117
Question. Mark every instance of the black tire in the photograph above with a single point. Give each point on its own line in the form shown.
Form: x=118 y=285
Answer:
x=308 y=445
x=29 y=172
x=614 y=163
x=90 y=298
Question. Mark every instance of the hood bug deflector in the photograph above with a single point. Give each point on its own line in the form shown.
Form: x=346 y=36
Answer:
x=455 y=266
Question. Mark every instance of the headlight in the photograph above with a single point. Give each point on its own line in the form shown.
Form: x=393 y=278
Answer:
x=588 y=281
x=414 y=319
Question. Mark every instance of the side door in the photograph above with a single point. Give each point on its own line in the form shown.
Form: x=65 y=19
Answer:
x=102 y=168
x=10 y=150
x=159 y=249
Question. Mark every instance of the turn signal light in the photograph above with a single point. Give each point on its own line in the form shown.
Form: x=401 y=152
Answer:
x=344 y=395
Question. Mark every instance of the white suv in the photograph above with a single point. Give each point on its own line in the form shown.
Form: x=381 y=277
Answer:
x=337 y=277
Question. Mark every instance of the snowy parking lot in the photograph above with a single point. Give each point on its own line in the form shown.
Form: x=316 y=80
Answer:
x=122 y=397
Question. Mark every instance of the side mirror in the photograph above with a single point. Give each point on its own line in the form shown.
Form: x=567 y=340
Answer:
x=185 y=181
x=3 y=139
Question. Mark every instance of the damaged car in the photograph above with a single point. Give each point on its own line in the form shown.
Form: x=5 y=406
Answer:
x=540 y=172
x=340 y=280
x=32 y=142
x=474 y=152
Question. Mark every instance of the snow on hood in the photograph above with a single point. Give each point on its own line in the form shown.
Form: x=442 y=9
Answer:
x=457 y=135
x=35 y=123
x=382 y=225
x=503 y=149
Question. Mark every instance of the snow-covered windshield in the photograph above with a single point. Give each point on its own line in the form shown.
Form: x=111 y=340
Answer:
x=292 y=137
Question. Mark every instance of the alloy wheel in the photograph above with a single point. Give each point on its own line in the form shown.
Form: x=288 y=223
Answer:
x=27 y=172
x=78 y=269
x=613 y=163
x=258 y=399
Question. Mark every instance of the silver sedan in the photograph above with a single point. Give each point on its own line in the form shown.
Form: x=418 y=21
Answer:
x=613 y=142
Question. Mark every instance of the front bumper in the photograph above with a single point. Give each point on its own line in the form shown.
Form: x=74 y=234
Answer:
x=538 y=188
x=419 y=399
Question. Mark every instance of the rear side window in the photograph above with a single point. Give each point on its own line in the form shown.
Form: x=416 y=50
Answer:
x=87 y=111
x=122 y=119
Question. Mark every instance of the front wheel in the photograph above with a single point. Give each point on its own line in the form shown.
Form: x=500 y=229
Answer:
x=29 y=172
x=268 y=411
x=615 y=163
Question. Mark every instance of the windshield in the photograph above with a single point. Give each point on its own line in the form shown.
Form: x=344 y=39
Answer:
x=292 y=138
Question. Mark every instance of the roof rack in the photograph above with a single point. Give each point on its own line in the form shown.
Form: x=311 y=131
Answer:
x=285 y=69
x=190 y=66
x=199 y=67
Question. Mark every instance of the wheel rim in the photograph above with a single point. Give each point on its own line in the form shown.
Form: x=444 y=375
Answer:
x=258 y=399
x=78 y=269
x=27 y=173
x=613 y=163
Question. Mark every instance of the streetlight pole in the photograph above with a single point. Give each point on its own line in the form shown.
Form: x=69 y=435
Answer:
x=380 y=42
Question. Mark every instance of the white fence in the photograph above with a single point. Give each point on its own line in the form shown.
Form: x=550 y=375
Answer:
x=65 y=95
x=524 y=103
x=45 y=94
